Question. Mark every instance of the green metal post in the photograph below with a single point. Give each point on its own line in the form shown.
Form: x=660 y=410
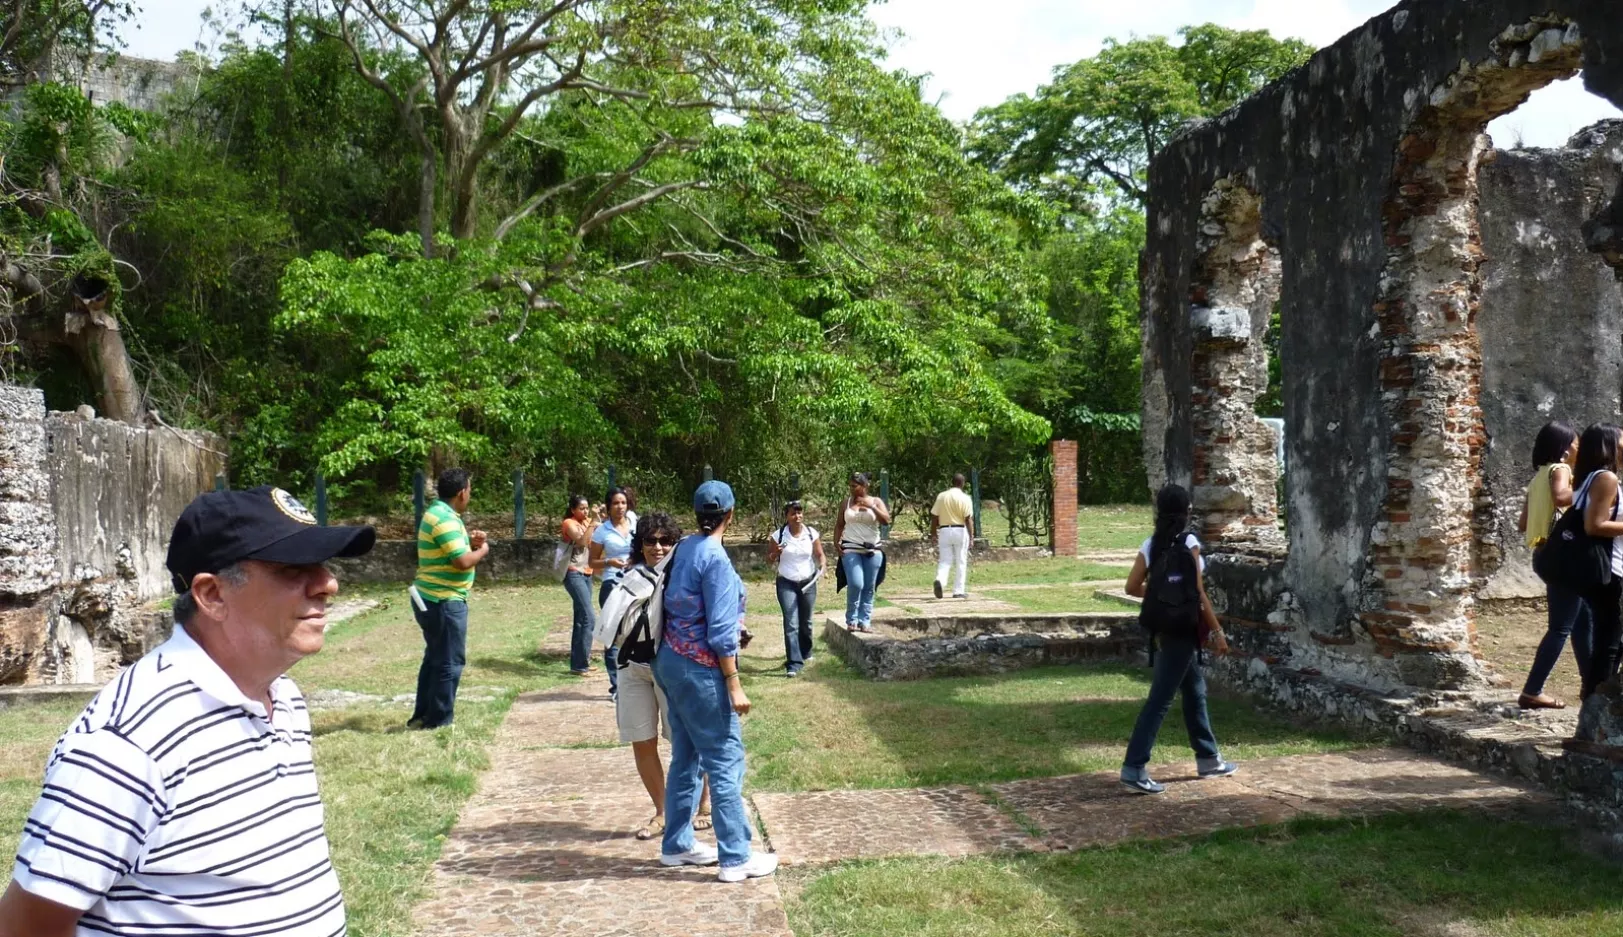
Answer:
x=419 y=503
x=884 y=495
x=975 y=493
x=709 y=473
x=518 y=504
x=219 y=482
x=612 y=480
x=794 y=486
x=321 y=499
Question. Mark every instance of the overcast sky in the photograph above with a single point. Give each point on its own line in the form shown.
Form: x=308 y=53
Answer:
x=976 y=58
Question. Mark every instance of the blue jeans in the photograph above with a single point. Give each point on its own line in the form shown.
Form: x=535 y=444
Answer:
x=861 y=577
x=580 y=635
x=445 y=648
x=797 y=620
x=1177 y=667
x=1569 y=616
x=707 y=737
x=611 y=657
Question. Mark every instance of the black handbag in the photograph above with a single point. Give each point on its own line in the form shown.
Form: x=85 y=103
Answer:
x=1573 y=558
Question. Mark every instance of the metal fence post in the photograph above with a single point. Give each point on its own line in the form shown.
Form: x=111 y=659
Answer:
x=613 y=479
x=321 y=499
x=884 y=495
x=709 y=473
x=794 y=486
x=419 y=485
x=518 y=504
x=219 y=482
x=975 y=495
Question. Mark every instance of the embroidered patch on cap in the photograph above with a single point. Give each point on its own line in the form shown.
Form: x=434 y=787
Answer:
x=290 y=506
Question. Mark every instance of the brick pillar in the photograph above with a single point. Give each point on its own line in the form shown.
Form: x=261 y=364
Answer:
x=1063 y=536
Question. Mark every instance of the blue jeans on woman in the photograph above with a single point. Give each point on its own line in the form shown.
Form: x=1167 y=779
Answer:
x=1569 y=617
x=861 y=577
x=707 y=737
x=797 y=621
x=1177 y=667
x=579 y=588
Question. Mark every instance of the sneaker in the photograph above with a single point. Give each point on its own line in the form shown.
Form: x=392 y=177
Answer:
x=760 y=864
x=791 y=671
x=937 y=585
x=414 y=723
x=960 y=595
x=700 y=854
x=1143 y=785
x=1217 y=769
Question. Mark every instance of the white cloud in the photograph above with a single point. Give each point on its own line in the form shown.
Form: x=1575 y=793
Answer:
x=977 y=57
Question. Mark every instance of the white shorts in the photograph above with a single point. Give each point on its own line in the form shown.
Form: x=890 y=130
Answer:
x=640 y=705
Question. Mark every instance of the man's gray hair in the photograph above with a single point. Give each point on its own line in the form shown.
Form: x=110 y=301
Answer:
x=186 y=606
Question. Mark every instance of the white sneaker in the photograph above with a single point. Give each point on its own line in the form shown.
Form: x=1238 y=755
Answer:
x=760 y=864
x=700 y=854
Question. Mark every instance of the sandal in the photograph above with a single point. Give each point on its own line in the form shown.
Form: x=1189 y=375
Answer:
x=1542 y=701
x=654 y=827
x=701 y=820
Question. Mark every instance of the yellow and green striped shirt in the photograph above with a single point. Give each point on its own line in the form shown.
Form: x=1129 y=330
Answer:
x=441 y=538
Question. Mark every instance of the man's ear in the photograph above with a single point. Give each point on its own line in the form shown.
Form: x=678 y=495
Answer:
x=208 y=591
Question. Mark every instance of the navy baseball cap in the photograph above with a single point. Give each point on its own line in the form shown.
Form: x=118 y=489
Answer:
x=223 y=527
x=713 y=497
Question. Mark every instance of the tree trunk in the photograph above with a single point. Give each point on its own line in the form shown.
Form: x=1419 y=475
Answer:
x=93 y=334
x=425 y=203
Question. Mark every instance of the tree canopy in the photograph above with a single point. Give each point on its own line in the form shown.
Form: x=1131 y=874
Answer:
x=389 y=234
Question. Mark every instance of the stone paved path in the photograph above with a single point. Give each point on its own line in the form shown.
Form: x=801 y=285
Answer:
x=546 y=846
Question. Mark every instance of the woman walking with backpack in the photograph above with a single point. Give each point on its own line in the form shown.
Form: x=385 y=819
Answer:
x=1555 y=451
x=1168 y=575
x=796 y=552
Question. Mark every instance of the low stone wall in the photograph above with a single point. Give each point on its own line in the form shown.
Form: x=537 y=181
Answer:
x=519 y=560
x=917 y=648
x=86 y=508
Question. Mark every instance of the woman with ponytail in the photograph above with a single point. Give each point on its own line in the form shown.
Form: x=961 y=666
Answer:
x=1600 y=460
x=697 y=666
x=1168 y=573
x=1555 y=452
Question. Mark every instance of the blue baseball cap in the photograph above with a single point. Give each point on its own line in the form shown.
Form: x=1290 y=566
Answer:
x=713 y=497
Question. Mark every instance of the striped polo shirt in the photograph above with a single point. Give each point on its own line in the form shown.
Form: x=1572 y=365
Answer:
x=440 y=539
x=173 y=808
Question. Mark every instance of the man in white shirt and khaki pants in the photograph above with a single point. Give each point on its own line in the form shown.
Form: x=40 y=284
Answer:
x=952 y=525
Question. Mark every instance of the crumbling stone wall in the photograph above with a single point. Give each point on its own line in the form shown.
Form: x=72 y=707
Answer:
x=1551 y=324
x=86 y=507
x=1366 y=165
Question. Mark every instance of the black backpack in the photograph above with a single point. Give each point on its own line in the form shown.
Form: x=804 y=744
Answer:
x=1172 y=593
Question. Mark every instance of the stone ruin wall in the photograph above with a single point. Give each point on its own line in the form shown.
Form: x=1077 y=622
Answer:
x=86 y=507
x=1551 y=325
x=1361 y=192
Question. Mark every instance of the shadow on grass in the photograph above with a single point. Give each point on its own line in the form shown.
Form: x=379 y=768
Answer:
x=531 y=664
x=368 y=724
x=1032 y=723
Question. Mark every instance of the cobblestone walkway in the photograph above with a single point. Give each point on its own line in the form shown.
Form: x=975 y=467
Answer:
x=547 y=845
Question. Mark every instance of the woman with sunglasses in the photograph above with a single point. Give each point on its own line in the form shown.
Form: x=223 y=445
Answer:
x=640 y=708
x=797 y=553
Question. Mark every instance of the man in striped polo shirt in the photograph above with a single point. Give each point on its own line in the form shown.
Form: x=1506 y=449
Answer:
x=183 y=801
x=447 y=552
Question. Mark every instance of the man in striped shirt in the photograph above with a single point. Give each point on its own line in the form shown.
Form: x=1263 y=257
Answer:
x=182 y=802
x=447 y=552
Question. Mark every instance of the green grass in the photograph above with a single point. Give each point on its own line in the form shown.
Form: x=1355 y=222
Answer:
x=1435 y=874
x=832 y=728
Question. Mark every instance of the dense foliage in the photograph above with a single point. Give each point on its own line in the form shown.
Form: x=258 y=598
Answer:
x=559 y=236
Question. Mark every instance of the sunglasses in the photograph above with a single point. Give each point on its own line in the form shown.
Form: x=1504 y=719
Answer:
x=661 y=542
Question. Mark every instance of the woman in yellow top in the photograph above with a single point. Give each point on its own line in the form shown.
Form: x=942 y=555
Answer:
x=1554 y=452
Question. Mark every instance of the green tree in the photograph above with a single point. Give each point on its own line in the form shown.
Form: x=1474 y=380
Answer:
x=1092 y=132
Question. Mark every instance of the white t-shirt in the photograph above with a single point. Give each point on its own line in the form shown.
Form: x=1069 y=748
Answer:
x=1190 y=540
x=796 y=563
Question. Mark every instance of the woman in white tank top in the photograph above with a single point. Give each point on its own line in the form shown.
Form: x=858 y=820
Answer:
x=1599 y=461
x=861 y=559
